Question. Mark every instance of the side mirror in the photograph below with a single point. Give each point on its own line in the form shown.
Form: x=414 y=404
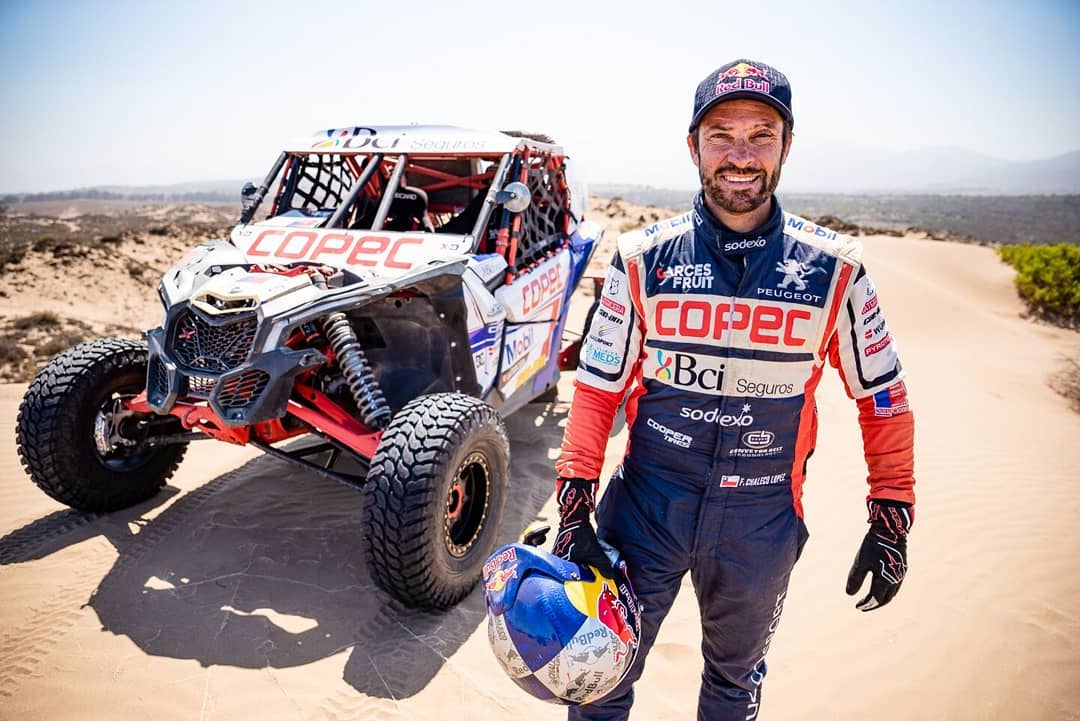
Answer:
x=248 y=190
x=515 y=197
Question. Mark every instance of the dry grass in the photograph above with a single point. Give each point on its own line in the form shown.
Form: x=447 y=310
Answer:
x=28 y=342
x=1067 y=382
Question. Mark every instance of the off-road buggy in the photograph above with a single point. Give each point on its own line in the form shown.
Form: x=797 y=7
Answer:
x=388 y=292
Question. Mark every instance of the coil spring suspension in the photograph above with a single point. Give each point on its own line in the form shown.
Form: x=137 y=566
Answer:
x=354 y=366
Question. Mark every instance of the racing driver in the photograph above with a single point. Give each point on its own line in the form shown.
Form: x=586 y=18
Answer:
x=714 y=327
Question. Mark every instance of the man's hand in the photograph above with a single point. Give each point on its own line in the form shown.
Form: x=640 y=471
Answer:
x=577 y=541
x=883 y=553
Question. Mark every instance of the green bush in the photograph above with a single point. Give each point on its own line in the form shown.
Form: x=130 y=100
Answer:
x=1048 y=279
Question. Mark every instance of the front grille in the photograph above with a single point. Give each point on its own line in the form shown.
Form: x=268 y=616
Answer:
x=161 y=379
x=201 y=385
x=243 y=389
x=202 y=346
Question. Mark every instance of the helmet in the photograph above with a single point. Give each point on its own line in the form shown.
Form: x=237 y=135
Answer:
x=561 y=631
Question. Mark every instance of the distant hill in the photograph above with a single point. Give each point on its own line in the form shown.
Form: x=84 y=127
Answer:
x=208 y=191
x=991 y=218
x=852 y=169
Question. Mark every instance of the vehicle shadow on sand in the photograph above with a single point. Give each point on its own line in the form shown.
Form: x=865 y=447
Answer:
x=264 y=566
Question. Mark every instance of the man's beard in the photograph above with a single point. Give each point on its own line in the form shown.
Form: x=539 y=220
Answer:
x=738 y=201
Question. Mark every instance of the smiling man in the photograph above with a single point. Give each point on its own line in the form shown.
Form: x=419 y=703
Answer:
x=714 y=328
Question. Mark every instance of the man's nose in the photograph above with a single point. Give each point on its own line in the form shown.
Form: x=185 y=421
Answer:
x=741 y=153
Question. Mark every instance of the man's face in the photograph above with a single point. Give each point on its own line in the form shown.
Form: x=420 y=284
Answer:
x=739 y=153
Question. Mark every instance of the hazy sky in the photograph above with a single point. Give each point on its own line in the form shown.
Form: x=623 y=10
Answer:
x=162 y=92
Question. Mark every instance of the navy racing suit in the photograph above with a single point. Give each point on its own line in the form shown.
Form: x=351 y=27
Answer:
x=716 y=342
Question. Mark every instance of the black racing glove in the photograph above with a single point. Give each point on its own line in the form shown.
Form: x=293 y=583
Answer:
x=883 y=553
x=577 y=541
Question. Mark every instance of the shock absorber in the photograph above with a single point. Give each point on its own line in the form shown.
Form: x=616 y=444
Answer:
x=374 y=411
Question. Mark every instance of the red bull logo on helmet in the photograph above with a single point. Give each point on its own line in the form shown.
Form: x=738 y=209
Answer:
x=507 y=555
x=497 y=580
x=742 y=76
x=611 y=612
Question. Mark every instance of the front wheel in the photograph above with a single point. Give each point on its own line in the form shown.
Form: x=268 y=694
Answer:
x=76 y=439
x=434 y=497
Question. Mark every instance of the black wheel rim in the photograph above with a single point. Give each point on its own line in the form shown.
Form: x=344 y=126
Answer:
x=467 y=504
x=116 y=439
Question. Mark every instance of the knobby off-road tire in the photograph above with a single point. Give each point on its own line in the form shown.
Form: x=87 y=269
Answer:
x=434 y=497
x=56 y=422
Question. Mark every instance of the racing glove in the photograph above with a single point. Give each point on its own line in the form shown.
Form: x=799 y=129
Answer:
x=883 y=554
x=576 y=541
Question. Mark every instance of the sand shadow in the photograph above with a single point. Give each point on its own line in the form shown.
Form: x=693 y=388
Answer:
x=68 y=527
x=263 y=566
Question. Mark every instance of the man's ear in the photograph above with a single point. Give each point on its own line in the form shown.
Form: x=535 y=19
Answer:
x=693 y=149
x=787 y=148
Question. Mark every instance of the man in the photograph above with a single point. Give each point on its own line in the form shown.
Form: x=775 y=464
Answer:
x=718 y=324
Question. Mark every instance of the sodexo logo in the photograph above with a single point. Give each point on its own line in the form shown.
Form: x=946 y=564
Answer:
x=716 y=416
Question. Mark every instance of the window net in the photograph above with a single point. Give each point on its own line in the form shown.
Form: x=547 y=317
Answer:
x=544 y=222
x=318 y=182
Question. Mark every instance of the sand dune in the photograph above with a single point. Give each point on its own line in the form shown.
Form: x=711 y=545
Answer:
x=241 y=592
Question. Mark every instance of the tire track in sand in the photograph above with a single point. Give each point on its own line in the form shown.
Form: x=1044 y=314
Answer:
x=23 y=649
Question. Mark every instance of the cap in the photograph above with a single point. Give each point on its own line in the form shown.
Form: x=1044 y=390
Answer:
x=743 y=79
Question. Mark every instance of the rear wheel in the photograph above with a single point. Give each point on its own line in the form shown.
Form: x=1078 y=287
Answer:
x=78 y=442
x=434 y=497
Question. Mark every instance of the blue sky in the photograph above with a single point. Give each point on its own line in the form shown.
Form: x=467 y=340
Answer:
x=156 y=92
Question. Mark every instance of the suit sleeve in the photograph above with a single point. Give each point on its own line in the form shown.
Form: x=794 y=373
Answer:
x=610 y=356
x=865 y=353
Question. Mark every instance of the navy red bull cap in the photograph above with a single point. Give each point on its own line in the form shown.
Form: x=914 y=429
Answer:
x=743 y=79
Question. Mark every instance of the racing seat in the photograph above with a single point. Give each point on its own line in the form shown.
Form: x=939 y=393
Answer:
x=408 y=211
x=463 y=222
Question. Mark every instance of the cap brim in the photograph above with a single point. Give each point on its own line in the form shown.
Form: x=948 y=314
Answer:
x=785 y=111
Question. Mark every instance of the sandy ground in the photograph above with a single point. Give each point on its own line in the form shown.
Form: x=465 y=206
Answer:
x=241 y=591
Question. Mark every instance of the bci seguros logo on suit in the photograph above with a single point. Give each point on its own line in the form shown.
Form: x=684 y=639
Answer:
x=685 y=371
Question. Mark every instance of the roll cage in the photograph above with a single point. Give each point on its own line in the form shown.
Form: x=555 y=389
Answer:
x=425 y=192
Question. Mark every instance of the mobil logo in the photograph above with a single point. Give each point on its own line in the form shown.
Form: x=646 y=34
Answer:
x=518 y=344
x=548 y=283
x=703 y=374
x=717 y=318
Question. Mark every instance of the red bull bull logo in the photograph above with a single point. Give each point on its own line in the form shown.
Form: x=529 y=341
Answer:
x=612 y=613
x=497 y=580
x=742 y=76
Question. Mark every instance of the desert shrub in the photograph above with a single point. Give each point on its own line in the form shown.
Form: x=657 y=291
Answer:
x=40 y=319
x=10 y=352
x=1067 y=382
x=1048 y=279
x=12 y=254
x=60 y=342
